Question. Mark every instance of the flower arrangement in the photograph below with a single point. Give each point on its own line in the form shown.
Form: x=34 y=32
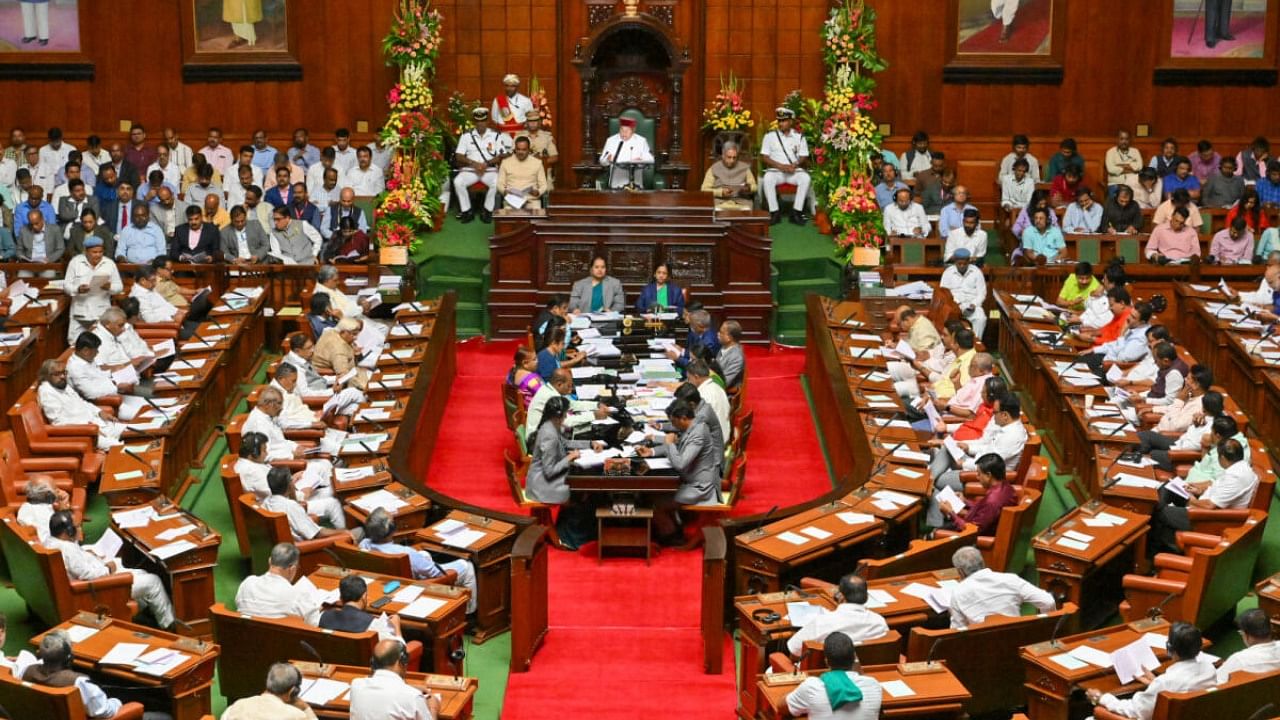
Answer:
x=538 y=95
x=407 y=209
x=459 y=113
x=727 y=111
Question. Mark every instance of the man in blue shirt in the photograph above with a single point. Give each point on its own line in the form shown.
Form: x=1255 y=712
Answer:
x=302 y=153
x=35 y=201
x=1269 y=187
x=142 y=241
x=378 y=537
x=264 y=156
x=952 y=216
x=1182 y=179
x=889 y=186
x=1084 y=215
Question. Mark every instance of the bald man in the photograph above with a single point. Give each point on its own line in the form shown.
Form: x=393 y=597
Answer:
x=344 y=207
x=385 y=695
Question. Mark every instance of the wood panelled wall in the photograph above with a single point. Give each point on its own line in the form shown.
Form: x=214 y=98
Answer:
x=772 y=44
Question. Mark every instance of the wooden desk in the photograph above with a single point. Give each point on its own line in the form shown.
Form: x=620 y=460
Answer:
x=408 y=519
x=765 y=560
x=1091 y=578
x=188 y=574
x=759 y=638
x=381 y=477
x=19 y=365
x=186 y=687
x=1049 y=685
x=1269 y=599
x=937 y=695
x=491 y=556
x=455 y=704
x=633 y=530
x=121 y=485
x=441 y=630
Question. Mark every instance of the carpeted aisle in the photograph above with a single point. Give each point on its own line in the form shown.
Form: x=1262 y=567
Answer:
x=620 y=626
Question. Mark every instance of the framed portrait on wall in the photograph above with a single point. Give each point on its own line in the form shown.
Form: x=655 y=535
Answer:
x=240 y=40
x=1217 y=41
x=43 y=39
x=1013 y=41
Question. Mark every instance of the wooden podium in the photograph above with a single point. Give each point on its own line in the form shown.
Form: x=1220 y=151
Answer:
x=722 y=257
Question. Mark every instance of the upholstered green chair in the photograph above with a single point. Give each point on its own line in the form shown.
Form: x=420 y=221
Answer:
x=647 y=128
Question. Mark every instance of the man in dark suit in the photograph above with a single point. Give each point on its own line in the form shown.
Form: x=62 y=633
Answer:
x=71 y=207
x=125 y=170
x=244 y=242
x=117 y=214
x=195 y=240
x=301 y=208
x=351 y=615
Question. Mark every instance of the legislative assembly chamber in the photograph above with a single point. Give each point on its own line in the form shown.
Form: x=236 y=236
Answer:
x=618 y=359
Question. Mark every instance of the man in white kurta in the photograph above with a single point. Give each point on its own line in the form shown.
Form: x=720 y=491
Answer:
x=91 y=280
x=480 y=149
x=785 y=154
x=968 y=287
x=43 y=499
x=121 y=344
x=265 y=419
x=152 y=306
x=91 y=381
x=366 y=179
x=62 y=405
x=625 y=147
x=82 y=564
x=296 y=413
x=273 y=594
x=385 y=695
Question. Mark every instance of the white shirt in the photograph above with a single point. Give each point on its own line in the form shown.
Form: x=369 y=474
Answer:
x=91 y=381
x=300 y=523
x=271 y=596
x=315 y=182
x=715 y=396
x=340 y=301
x=232 y=175
x=344 y=160
x=89 y=306
x=969 y=289
x=180 y=156
x=172 y=173
x=976 y=243
x=80 y=563
x=1097 y=312
x=50 y=157
x=1235 y=488
x=383 y=154
x=364 y=181
x=66 y=407
x=1260 y=658
x=785 y=148
x=96 y=702
x=253 y=476
x=1007 y=441
x=1006 y=166
x=119 y=350
x=1181 y=676
x=987 y=592
x=278 y=446
x=481 y=147
x=810 y=699
x=295 y=414
x=1014 y=194
x=152 y=306
x=519 y=105
x=856 y=621
x=94 y=160
x=36 y=517
x=905 y=222
x=386 y=696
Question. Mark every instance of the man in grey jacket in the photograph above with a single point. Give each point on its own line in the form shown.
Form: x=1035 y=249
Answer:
x=692 y=453
x=293 y=241
x=598 y=292
x=244 y=242
x=38 y=243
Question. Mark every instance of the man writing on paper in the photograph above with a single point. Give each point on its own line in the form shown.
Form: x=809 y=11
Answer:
x=984 y=592
x=521 y=177
x=121 y=344
x=850 y=617
x=91 y=381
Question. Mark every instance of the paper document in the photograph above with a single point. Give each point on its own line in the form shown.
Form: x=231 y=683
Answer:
x=1069 y=661
x=407 y=594
x=897 y=688
x=802 y=613
x=422 y=607
x=948 y=498
x=322 y=691
x=793 y=538
x=816 y=533
x=108 y=546
x=463 y=538
x=379 y=499
x=175 y=533
x=957 y=453
x=123 y=654
x=165 y=552
x=883 y=597
x=854 y=518
x=78 y=633
x=1132 y=659
x=1115 y=374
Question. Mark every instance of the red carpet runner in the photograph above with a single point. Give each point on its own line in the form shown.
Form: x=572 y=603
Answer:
x=621 y=631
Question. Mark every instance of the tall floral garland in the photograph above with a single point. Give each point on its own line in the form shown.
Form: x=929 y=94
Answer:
x=841 y=130
x=407 y=210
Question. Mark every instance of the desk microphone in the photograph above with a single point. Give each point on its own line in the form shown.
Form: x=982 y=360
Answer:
x=98 y=606
x=1053 y=637
x=336 y=558
x=846 y=318
x=1112 y=481
x=395 y=398
x=1156 y=612
x=312 y=652
x=1263 y=712
x=151 y=473
x=759 y=529
x=858 y=383
x=196 y=641
x=457 y=656
x=933 y=649
x=407 y=331
x=799 y=666
x=799 y=591
x=1271 y=329
x=1070 y=365
x=159 y=409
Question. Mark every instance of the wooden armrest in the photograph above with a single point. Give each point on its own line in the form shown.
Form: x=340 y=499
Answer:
x=304 y=434
x=1101 y=713
x=1238 y=516
x=986 y=542
x=129 y=711
x=1190 y=539
x=68 y=448
x=450 y=577
x=1162 y=586
x=779 y=662
x=809 y=583
x=290 y=464
x=1183 y=456
x=71 y=430
x=968 y=476
x=941 y=533
x=1169 y=561
x=49 y=464
x=974 y=489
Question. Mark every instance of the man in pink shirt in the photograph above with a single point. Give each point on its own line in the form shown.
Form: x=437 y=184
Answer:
x=1175 y=241
x=1234 y=244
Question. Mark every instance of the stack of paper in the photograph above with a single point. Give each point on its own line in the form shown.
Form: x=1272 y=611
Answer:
x=141 y=517
x=322 y=691
x=379 y=499
x=355 y=473
x=800 y=614
x=422 y=607
x=1104 y=519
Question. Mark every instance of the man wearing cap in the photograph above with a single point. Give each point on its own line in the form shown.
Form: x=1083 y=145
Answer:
x=785 y=154
x=730 y=182
x=968 y=287
x=625 y=147
x=541 y=144
x=511 y=109
x=480 y=149
x=91 y=280
x=521 y=176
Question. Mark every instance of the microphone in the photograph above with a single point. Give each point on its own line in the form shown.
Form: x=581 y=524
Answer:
x=329 y=551
x=1070 y=365
x=1107 y=485
x=238 y=293
x=799 y=666
x=312 y=652
x=928 y=660
x=159 y=409
x=858 y=383
x=1271 y=329
x=1156 y=612
x=1053 y=637
x=759 y=529
x=193 y=642
x=98 y=606
x=407 y=331
x=457 y=656
x=850 y=314
x=151 y=473
x=799 y=591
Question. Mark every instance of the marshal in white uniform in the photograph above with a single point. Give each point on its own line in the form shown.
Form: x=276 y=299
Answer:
x=785 y=146
x=480 y=146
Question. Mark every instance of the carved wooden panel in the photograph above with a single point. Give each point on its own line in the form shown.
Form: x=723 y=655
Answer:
x=568 y=263
x=599 y=11
x=631 y=263
x=629 y=92
x=664 y=10
x=691 y=264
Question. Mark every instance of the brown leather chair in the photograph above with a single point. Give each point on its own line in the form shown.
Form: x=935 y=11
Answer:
x=15 y=471
x=1006 y=551
x=1246 y=696
x=350 y=556
x=36 y=438
x=266 y=529
x=920 y=555
x=878 y=651
x=28 y=700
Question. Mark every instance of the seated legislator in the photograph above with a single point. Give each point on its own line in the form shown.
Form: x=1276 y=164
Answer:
x=351 y=615
x=905 y=218
x=993 y=387
x=379 y=531
x=598 y=292
x=55 y=670
x=321 y=314
x=349 y=244
x=1234 y=489
x=1208 y=468
x=1185 y=674
x=1078 y=287
x=625 y=148
x=958 y=391
x=121 y=344
x=82 y=564
x=1121 y=214
x=555 y=355
x=195 y=240
x=1224 y=188
x=524 y=376
x=968 y=287
x=1142 y=375
x=1039 y=199
x=91 y=381
x=265 y=418
x=301 y=349
x=1084 y=215
x=730 y=181
x=888 y=187
x=970 y=236
x=692 y=454
x=698 y=374
x=41 y=500
x=296 y=414
x=702 y=413
x=1171 y=376
x=984 y=513
x=1114 y=322
x=547 y=479
x=293 y=242
x=1199 y=436
x=328 y=283
x=1131 y=345
x=983 y=592
x=335 y=351
x=730 y=361
x=560 y=385
x=1232 y=245
x=1042 y=241
x=1261 y=653
x=286 y=498
x=282 y=699
x=171 y=291
x=243 y=242
x=1174 y=414
x=661 y=293
x=273 y=594
x=850 y=617
x=154 y=308
x=91 y=279
x=479 y=151
x=702 y=340
x=384 y=695
x=1272 y=312
x=62 y=405
x=1005 y=436
x=521 y=176
x=251 y=464
x=1177 y=199
x=1174 y=241
x=554 y=313
x=842 y=692
x=785 y=155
